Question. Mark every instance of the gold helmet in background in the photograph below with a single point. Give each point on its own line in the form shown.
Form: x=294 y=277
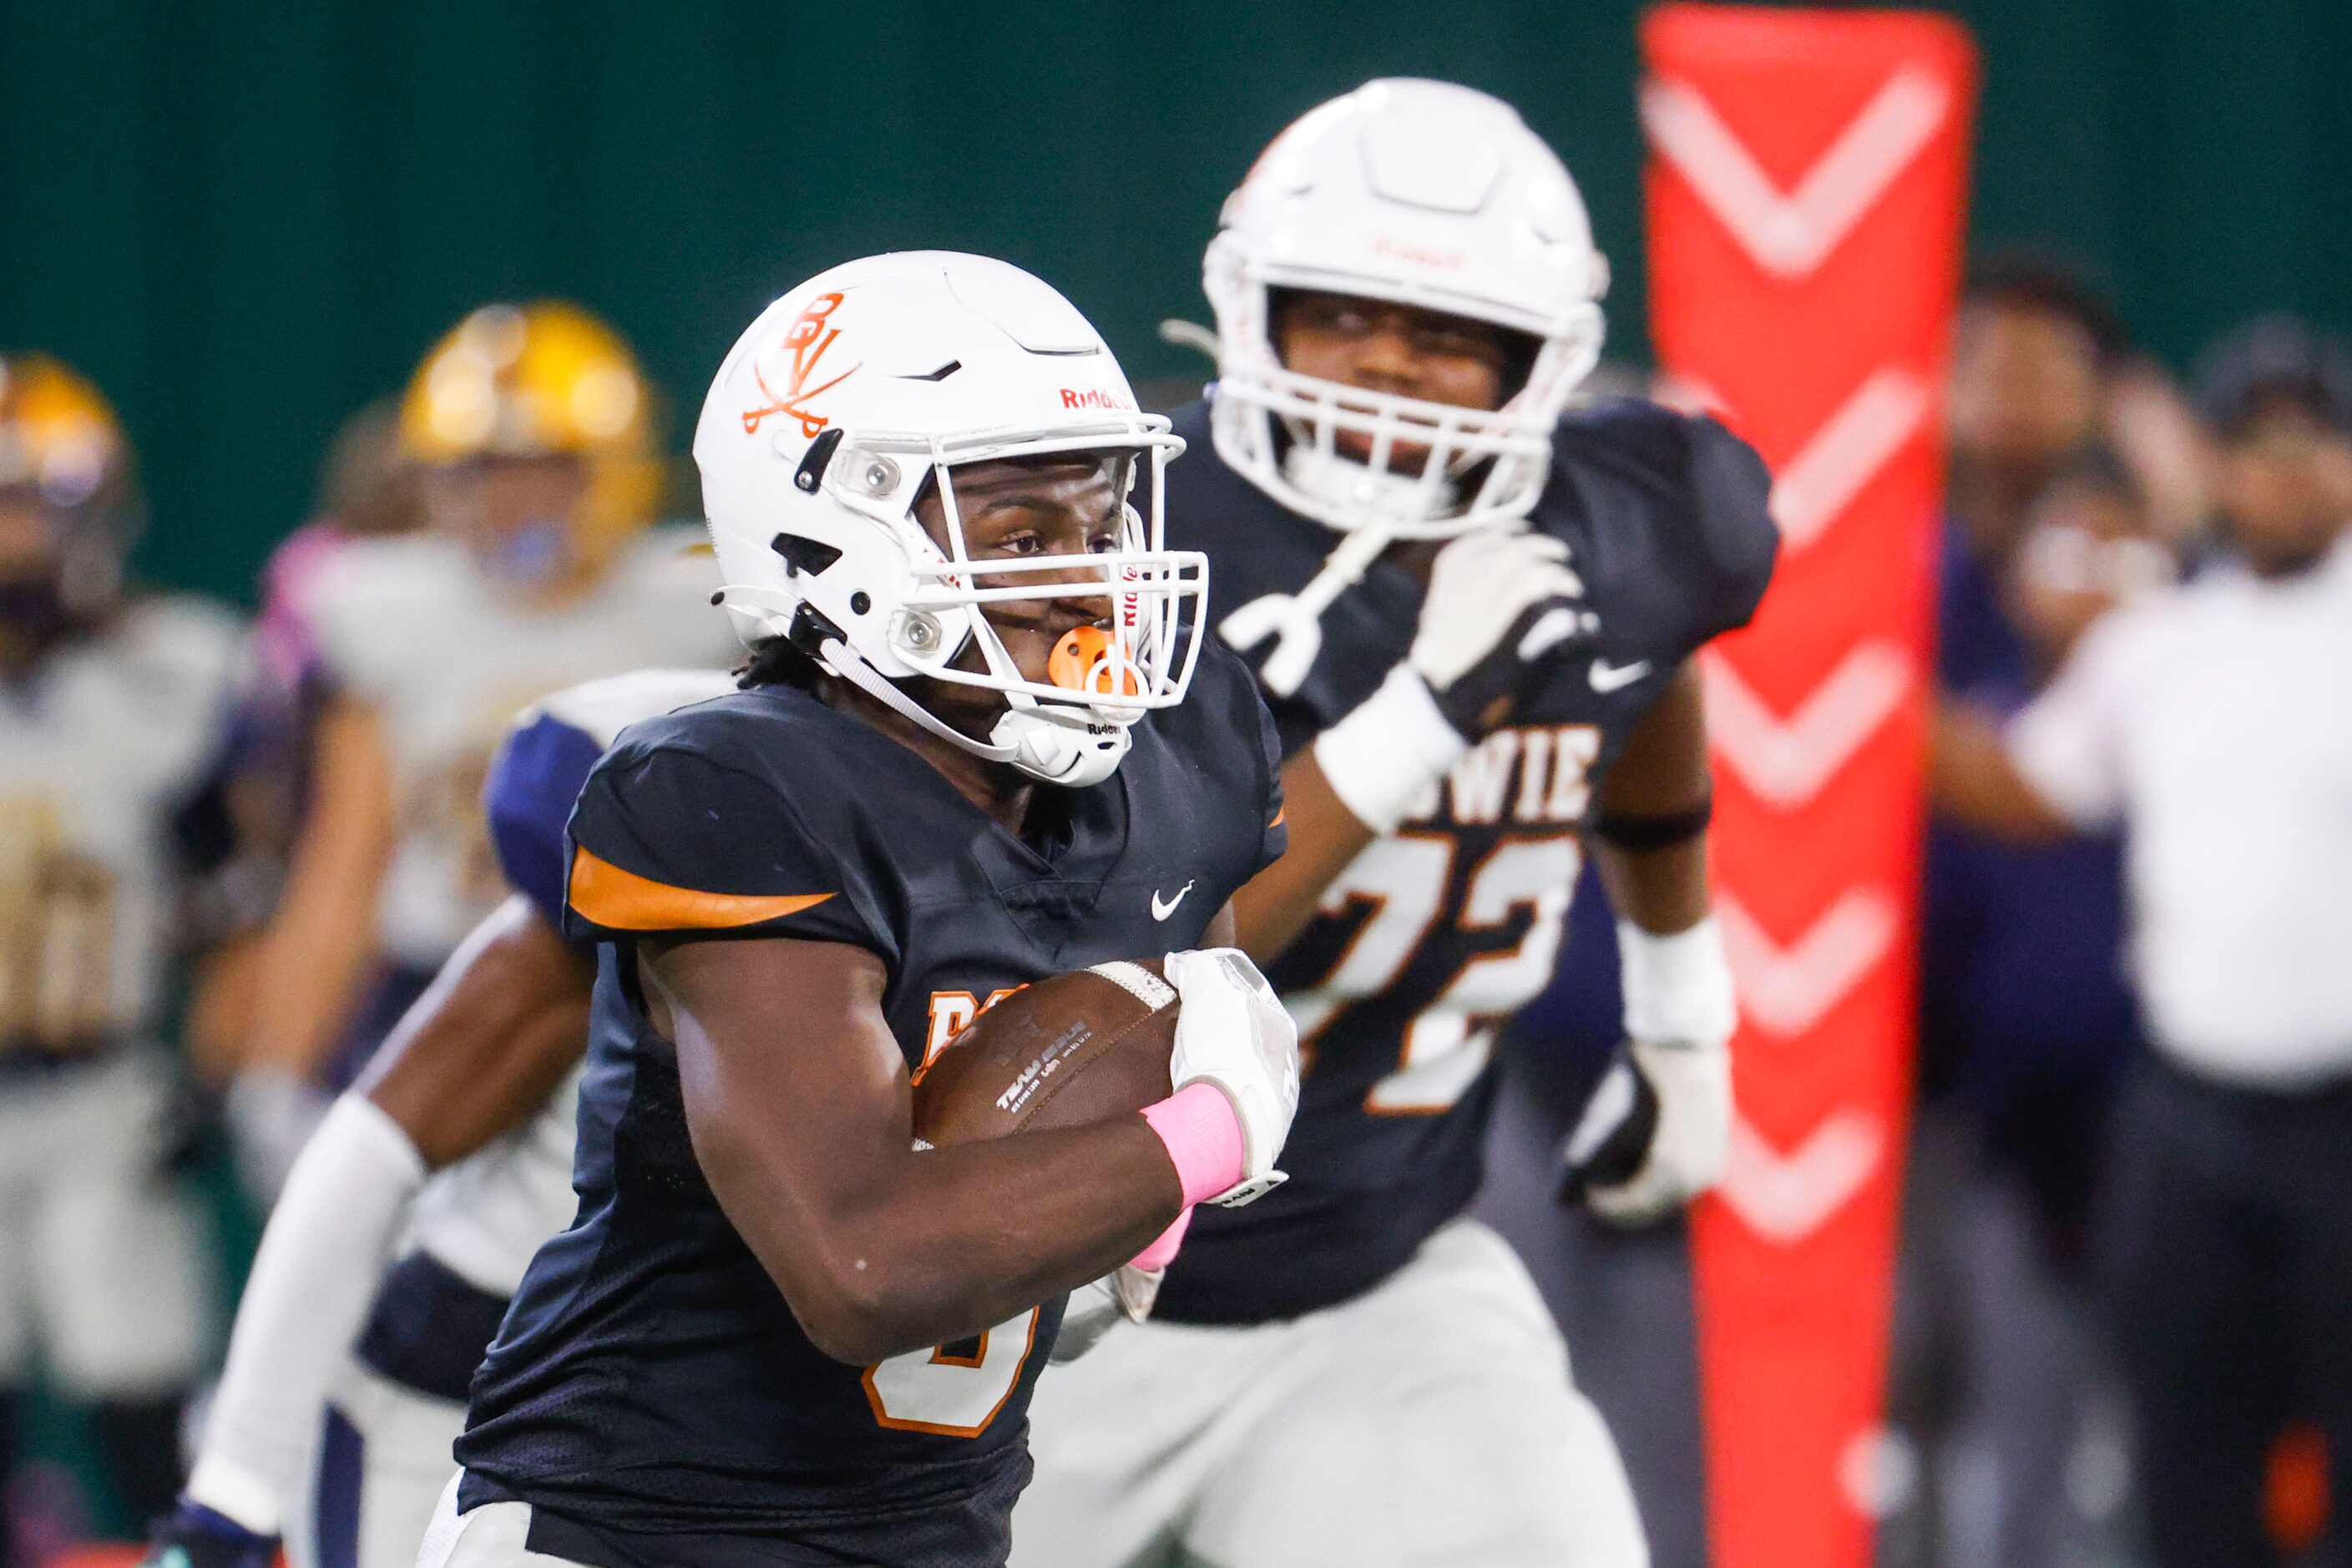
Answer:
x=62 y=451
x=57 y=434
x=541 y=380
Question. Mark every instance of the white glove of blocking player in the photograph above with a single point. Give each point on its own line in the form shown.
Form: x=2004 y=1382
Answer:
x=1501 y=600
x=1235 y=1033
x=1680 y=1012
x=1686 y=1153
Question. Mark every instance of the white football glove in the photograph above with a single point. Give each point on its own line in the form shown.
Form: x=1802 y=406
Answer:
x=1657 y=1131
x=1499 y=599
x=1235 y=1033
x=1686 y=1152
x=1500 y=602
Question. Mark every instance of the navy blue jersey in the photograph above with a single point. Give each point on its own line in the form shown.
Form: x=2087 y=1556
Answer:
x=650 y=1387
x=1437 y=934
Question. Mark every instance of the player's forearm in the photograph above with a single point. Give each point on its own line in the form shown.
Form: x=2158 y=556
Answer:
x=1971 y=780
x=310 y=967
x=942 y=1244
x=1648 y=834
x=303 y=1307
x=324 y=934
x=504 y=1019
x=1325 y=836
x=1661 y=890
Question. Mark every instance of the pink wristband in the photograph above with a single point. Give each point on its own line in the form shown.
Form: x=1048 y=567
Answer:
x=1204 y=1138
x=1162 y=1252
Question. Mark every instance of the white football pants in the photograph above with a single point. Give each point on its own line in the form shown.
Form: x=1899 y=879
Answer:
x=104 y=1273
x=1430 y=1421
x=490 y=1536
x=376 y=1474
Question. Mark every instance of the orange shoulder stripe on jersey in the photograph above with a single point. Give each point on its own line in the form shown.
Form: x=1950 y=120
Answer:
x=1278 y=816
x=622 y=900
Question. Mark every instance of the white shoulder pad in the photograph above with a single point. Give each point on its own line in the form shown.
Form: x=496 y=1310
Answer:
x=193 y=642
x=375 y=602
x=601 y=709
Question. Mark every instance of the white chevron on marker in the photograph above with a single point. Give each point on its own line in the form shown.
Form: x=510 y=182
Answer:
x=1787 y=990
x=1791 y=235
x=1785 y=1198
x=1787 y=761
x=1869 y=427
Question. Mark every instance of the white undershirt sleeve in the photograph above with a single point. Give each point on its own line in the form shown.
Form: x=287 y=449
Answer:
x=305 y=1304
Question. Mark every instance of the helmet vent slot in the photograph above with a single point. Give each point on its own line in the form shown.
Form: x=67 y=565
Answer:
x=802 y=553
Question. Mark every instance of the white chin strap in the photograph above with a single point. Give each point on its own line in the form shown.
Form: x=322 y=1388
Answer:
x=1070 y=752
x=1040 y=744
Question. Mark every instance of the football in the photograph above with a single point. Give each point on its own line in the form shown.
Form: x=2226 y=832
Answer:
x=1075 y=1048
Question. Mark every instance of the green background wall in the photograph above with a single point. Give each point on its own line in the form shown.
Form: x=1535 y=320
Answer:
x=244 y=218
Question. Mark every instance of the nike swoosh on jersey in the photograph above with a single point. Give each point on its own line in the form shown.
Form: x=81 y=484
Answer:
x=1160 y=912
x=1606 y=677
x=622 y=900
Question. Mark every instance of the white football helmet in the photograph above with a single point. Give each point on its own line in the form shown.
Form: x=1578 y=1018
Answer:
x=825 y=423
x=1428 y=194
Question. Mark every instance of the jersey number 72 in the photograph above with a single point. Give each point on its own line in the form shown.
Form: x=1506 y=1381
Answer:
x=1404 y=879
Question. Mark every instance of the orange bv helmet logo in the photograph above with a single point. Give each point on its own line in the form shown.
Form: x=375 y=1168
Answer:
x=806 y=340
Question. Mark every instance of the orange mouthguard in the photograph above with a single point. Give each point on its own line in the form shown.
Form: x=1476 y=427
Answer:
x=1085 y=661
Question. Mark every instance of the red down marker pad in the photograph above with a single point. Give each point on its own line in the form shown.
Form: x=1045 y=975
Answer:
x=1806 y=188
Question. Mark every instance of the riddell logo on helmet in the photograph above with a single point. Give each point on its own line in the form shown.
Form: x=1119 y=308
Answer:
x=806 y=339
x=1419 y=255
x=1093 y=397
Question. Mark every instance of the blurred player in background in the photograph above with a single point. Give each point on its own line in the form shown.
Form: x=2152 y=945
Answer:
x=531 y=426
x=2208 y=722
x=112 y=709
x=346 y=1383
x=367 y=489
x=2025 y=1021
x=1473 y=618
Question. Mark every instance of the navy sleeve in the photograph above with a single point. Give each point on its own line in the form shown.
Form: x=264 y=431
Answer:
x=1295 y=724
x=667 y=840
x=1703 y=492
x=1271 y=752
x=528 y=797
x=1731 y=492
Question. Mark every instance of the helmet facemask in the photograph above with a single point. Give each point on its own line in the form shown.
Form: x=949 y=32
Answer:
x=1281 y=428
x=957 y=603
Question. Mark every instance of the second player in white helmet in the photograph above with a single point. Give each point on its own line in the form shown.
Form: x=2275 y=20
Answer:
x=1472 y=610
x=1419 y=193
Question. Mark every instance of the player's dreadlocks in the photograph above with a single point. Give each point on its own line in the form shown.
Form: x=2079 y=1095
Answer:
x=775 y=661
